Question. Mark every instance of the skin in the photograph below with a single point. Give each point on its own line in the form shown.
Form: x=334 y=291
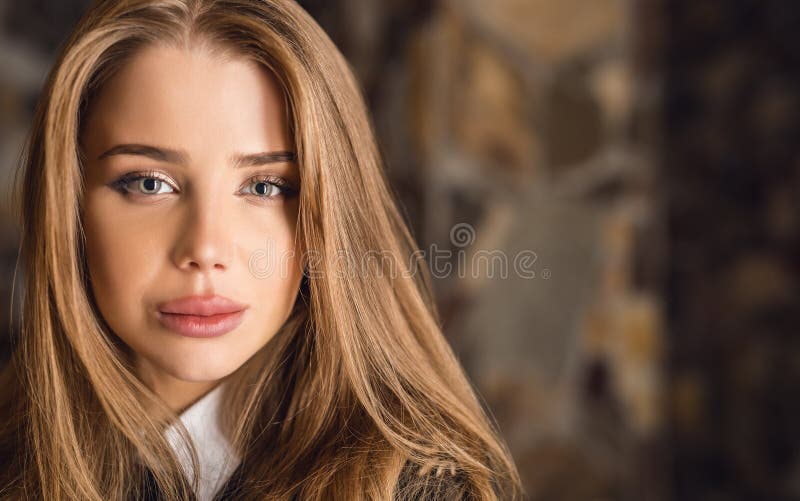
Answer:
x=197 y=231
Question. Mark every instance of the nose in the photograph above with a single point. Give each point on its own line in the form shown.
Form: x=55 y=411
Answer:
x=203 y=243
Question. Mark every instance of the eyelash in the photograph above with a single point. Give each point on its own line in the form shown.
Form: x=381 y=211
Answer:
x=121 y=184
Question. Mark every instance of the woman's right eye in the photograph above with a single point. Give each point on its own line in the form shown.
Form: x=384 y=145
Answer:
x=142 y=184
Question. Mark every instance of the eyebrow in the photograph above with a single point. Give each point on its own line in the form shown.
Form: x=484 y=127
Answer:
x=180 y=157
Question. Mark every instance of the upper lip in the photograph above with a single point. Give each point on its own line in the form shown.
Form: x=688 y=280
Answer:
x=201 y=305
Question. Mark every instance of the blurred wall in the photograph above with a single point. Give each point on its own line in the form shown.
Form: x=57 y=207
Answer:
x=732 y=178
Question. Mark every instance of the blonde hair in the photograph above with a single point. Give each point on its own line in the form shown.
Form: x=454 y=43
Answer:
x=358 y=396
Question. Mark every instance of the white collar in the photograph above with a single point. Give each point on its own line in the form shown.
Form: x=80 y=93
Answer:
x=217 y=458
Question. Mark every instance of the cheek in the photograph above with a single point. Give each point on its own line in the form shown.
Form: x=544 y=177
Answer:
x=273 y=262
x=121 y=257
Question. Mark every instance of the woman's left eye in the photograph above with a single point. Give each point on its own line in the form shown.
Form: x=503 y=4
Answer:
x=267 y=188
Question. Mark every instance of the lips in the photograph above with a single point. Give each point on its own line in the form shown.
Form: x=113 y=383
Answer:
x=201 y=316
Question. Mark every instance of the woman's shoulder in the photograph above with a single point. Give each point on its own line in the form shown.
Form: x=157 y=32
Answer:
x=431 y=482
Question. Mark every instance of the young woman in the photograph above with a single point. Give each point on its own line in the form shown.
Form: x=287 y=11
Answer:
x=220 y=296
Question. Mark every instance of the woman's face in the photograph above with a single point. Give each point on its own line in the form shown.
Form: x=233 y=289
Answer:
x=189 y=221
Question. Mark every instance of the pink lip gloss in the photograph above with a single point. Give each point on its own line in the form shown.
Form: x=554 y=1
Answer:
x=201 y=316
x=201 y=326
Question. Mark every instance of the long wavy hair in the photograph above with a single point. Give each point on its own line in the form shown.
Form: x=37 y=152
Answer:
x=358 y=396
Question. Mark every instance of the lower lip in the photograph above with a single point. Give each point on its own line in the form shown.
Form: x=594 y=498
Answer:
x=201 y=326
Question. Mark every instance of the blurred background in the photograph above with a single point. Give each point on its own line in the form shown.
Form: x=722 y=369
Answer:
x=642 y=155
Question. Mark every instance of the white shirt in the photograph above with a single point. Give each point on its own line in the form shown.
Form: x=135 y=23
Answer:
x=217 y=458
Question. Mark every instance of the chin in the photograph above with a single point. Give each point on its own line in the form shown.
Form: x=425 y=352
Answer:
x=198 y=367
x=198 y=371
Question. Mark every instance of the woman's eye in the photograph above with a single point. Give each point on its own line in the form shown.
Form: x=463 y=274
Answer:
x=142 y=184
x=153 y=186
x=264 y=189
x=267 y=188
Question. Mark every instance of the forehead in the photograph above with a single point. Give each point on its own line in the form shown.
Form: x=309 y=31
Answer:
x=192 y=97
